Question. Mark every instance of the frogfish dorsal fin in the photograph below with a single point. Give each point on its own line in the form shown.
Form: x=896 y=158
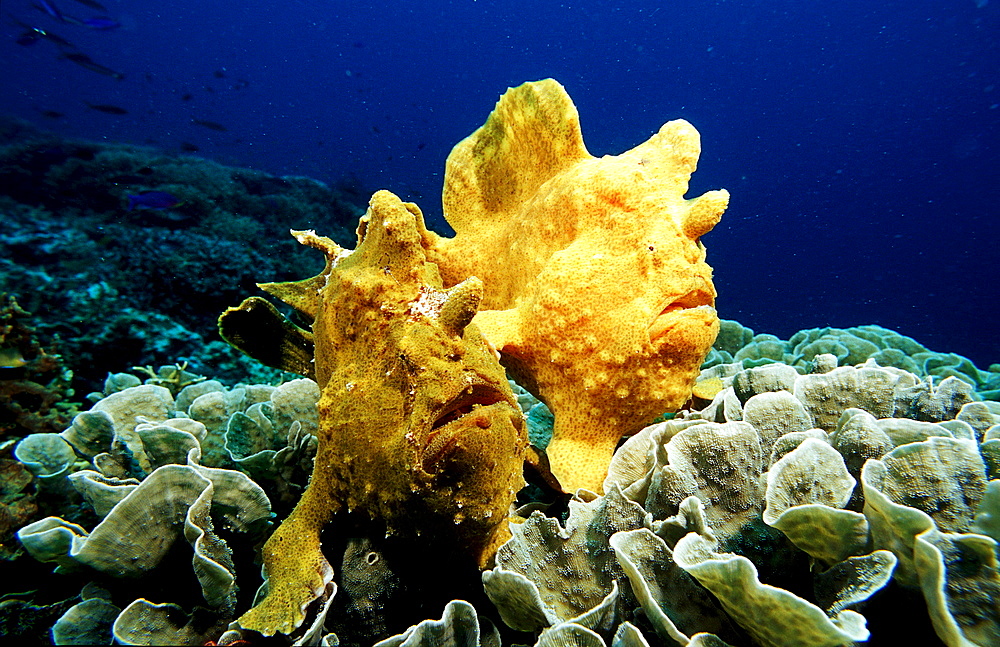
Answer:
x=531 y=136
x=304 y=295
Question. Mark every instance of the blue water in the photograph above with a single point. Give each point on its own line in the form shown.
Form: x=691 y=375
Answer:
x=859 y=139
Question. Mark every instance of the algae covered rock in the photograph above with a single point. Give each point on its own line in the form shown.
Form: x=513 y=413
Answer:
x=34 y=381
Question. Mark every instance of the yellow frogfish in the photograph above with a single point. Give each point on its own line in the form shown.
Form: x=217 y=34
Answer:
x=598 y=294
x=418 y=426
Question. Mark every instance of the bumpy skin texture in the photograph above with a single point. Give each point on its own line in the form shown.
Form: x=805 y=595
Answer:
x=418 y=426
x=597 y=291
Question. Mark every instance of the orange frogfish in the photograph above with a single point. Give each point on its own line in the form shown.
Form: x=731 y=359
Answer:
x=418 y=426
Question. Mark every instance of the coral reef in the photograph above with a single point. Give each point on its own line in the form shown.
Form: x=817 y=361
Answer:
x=712 y=520
x=157 y=464
x=837 y=488
x=850 y=346
x=597 y=291
x=35 y=398
x=418 y=427
x=17 y=505
x=34 y=382
x=797 y=508
x=123 y=288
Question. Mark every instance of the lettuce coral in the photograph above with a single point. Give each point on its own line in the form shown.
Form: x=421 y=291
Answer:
x=753 y=545
x=154 y=469
x=849 y=346
x=759 y=533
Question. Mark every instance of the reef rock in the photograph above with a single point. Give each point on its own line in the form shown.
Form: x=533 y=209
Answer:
x=418 y=427
x=597 y=291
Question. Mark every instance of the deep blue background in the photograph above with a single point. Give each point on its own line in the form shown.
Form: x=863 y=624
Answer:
x=859 y=139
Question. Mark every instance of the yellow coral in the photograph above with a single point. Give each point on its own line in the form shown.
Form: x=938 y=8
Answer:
x=418 y=426
x=597 y=290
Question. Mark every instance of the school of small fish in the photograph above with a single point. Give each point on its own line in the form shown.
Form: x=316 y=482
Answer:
x=33 y=32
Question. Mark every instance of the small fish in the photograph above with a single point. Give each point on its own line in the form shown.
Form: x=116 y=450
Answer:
x=97 y=22
x=107 y=108
x=157 y=200
x=93 y=4
x=33 y=34
x=47 y=7
x=188 y=147
x=55 y=38
x=88 y=63
x=219 y=74
x=101 y=23
x=11 y=358
x=76 y=57
x=52 y=114
x=211 y=125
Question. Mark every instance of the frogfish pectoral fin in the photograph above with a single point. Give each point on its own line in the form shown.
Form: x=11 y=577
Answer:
x=259 y=330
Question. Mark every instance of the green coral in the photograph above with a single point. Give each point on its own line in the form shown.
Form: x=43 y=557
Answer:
x=737 y=345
